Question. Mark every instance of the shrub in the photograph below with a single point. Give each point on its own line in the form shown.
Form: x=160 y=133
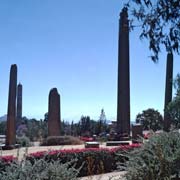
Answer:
x=157 y=159
x=23 y=141
x=94 y=161
x=150 y=119
x=6 y=161
x=39 y=170
x=61 y=140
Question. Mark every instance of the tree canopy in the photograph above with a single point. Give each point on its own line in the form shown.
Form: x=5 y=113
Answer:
x=159 y=21
x=150 y=119
x=177 y=84
x=173 y=107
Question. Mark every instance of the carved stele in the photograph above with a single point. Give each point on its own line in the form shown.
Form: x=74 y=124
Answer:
x=54 y=117
x=19 y=105
x=168 y=90
x=123 y=100
x=11 y=114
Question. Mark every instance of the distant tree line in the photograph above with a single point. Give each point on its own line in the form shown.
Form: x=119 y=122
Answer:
x=37 y=130
x=151 y=119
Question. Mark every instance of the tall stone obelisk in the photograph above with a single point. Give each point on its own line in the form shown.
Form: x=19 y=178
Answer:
x=19 y=105
x=123 y=103
x=11 y=114
x=168 y=90
x=54 y=117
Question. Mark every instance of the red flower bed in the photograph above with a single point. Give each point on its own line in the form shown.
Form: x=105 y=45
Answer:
x=7 y=158
x=90 y=161
x=72 y=151
x=125 y=147
x=86 y=139
x=6 y=161
x=94 y=160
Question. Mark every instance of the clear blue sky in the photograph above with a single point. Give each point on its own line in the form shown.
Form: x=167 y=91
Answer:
x=73 y=45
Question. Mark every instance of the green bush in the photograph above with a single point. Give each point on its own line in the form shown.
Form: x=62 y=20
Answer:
x=39 y=170
x=61 y=140
x=157 y=159
x=23 y=141
x=6 y=161
x=92 y=160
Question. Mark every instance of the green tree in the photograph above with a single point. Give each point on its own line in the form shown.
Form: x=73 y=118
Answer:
x=174 y=111
x=93 y=125
x=77 y=127
x=3 y=127
x=72 y=128
x=85 y=125
x=67 y=128
x=150 y=119
x=177 y=84
x=46 y=117
x=173 y=108
x=159 y=21
x=101 y=126
x=63 y=128
x=36 y=129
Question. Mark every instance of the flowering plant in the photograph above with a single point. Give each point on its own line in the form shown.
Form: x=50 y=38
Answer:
x=91 y=160
x=6 y=161
x=7 y=158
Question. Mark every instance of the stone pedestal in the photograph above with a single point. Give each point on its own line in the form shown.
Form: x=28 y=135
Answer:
x=11 y=114
x=117 y=143
x=137 y=132
x=54 y=118
x=93 y=144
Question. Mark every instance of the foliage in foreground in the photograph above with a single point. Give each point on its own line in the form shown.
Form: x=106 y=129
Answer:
x=64 y=164
x=94 y=160
x=157 y=159
x=6 y=161
x=39 y=170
